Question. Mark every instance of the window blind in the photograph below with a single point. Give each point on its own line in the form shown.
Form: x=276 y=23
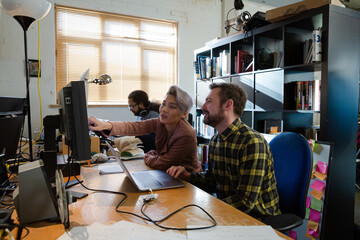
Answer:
x=137 y=53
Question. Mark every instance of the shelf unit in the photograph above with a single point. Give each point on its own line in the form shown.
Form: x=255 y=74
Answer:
x=272 y=95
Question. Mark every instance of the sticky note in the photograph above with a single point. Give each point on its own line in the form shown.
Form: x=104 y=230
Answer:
x=314 y=215
x=313 y=225
x=317 y=194
x=308 y=201
x=320 y=176
x=314 y=163
x=309 y=236
x=321 y=167
x=292 y=234
x=316 y=204
x=313 y=233
x=317 y=148
x=307 y=213
x=318 y=185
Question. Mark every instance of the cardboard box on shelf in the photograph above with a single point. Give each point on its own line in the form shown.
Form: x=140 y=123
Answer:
x=94 y=147
x=281 y=13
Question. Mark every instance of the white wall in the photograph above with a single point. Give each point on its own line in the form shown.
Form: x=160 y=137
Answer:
x=198 y=22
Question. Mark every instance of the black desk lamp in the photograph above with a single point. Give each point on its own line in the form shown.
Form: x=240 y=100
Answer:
x=25 y=13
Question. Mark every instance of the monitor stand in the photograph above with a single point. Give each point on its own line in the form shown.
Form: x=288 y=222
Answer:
x=51 y=124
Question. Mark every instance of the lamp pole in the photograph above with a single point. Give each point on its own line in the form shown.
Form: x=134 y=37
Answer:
x=28 y=97
x=25 y=13
x=25 y=23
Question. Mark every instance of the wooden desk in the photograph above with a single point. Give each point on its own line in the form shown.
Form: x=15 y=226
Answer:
x=100 y=207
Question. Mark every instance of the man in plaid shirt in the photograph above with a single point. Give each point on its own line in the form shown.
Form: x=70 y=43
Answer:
x=240 y=164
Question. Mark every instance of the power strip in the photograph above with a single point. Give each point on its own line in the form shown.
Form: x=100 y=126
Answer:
x=150 y=197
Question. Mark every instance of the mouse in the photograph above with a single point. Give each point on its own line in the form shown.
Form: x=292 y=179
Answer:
x=99 y=158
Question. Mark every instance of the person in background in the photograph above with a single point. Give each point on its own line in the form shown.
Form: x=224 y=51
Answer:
x=144 y=109
x=141 y=106
x=240 y=164
x=176 y=142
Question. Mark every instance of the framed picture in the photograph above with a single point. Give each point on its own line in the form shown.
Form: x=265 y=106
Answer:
x=34 y=68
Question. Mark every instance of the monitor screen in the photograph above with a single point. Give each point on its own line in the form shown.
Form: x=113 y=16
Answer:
x=12 y=115
x=74 y=119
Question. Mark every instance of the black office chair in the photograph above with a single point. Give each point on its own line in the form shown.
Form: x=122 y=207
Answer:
x=293 y=165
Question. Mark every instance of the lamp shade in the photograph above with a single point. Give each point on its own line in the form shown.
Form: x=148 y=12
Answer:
x=35 y=9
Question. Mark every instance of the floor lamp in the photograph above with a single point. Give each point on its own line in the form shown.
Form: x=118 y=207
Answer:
x=25 y=13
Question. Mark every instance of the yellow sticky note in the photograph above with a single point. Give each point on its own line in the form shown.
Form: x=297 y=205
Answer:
x=317 y=194
x=320 y=175
x=313 y=225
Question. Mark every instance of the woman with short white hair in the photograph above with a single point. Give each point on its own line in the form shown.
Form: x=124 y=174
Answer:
x=175 y=137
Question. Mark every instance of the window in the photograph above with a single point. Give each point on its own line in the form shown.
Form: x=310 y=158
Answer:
x=137 y=53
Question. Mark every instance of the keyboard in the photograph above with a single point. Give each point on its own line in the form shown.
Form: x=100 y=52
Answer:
x=147 y=180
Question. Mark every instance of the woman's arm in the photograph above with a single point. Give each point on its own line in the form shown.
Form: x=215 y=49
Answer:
x=176 y=154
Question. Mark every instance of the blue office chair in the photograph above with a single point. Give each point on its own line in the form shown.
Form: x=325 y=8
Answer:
x=293 y=165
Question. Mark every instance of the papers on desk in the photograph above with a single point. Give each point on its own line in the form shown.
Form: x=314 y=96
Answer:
x=134 y=231
x=120 y=230
x=234 y=232
x=110 y=168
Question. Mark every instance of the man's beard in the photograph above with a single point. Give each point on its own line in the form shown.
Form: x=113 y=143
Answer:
x=214 y=120
x=137 y=113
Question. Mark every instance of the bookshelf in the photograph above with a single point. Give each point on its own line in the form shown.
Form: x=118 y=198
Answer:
x=286 y=88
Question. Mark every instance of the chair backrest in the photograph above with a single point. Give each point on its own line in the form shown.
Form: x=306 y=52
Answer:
x=293 y=164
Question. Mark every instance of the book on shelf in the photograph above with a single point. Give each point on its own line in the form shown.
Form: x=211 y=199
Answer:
x=302 y=95
x=277 y=56
x=202 y=151
x=204 y=64
x=208 y=67
x=272 y=126
x=243 y=61
x=202 y=67
x=203 y=129
x=317 y=45
x=196 y=69
x=225 y=63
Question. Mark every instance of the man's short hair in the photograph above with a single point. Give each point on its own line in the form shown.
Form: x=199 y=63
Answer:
x=140 y=96
x=234 y=92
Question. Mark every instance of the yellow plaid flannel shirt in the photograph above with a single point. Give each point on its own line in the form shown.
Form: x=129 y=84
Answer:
x=241 y=171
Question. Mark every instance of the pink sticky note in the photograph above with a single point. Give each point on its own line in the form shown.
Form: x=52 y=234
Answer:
x=321 y=167
x=292 y=234
x=314 y=215
x=308 y=201
x=313 y=233
x=318 y=185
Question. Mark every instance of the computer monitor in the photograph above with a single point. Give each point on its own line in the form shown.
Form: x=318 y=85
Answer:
x=12 y=115
x=74 y=119
x=85 y=76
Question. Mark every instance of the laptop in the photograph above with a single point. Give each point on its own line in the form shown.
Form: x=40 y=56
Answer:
x=150 y=179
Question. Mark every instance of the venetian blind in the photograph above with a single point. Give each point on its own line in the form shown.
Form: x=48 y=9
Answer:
x=137 y=53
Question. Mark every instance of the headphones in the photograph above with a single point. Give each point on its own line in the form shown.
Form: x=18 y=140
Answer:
x=143 y=113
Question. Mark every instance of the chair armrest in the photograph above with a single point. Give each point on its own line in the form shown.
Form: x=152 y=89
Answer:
x=283 y=222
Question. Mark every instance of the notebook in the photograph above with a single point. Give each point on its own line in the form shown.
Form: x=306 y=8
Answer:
x=150 y=179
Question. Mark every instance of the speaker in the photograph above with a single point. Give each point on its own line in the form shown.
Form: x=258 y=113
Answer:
x=33 y=198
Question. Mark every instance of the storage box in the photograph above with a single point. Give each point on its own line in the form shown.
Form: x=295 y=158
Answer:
x=281 y=13
x=95 y=145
